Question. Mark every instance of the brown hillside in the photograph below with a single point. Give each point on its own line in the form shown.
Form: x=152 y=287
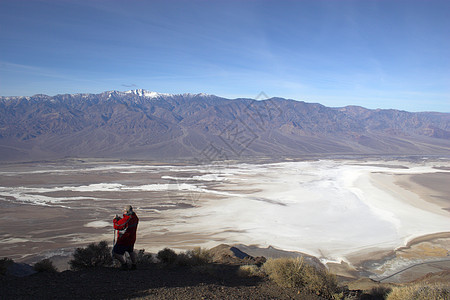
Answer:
x=131 y=125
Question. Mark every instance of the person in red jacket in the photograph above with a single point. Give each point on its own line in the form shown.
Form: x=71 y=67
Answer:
x=126 y=236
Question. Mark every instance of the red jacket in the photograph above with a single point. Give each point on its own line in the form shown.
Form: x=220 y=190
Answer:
x=126 y=226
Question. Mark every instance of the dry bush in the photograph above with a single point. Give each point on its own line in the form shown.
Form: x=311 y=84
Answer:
x=199 y=256
x=94 y=255
x=167 y=256
x=250 y=271
x=45 y=265
x=4 y=264
x=420 y=292
x=380 y=292
x=285 y=271
x=294 y=272
x=182 y=259
x=195 y=257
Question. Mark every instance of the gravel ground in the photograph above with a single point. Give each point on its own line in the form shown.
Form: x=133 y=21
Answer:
x=153 y=282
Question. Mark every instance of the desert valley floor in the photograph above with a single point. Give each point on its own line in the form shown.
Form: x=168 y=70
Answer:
x=373 y=216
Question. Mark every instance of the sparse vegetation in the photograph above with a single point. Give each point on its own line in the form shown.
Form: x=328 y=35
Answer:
x=250 y=271
x=292 y=275
x=294 y=272
x=4 y=264
x=45 y=265
x=94 y=255
x=199 y=256
x=285 y=271
x=167 y=256
x=195 y=257
x=380 y=292
x=420 y=292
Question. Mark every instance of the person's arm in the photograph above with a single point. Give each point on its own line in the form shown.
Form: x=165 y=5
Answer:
x=121 y=223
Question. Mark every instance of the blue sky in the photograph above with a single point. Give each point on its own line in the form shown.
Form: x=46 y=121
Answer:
x=376 y=54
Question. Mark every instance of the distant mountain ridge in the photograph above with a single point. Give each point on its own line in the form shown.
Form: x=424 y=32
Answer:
x=140 y=124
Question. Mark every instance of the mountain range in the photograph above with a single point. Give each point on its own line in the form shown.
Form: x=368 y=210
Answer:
x=140 y=124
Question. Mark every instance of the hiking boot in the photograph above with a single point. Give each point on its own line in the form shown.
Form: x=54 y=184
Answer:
x=133 y=267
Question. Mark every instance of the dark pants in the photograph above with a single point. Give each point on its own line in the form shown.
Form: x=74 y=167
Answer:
x=121 y=249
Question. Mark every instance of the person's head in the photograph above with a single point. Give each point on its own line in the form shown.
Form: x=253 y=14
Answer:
x=128 y=210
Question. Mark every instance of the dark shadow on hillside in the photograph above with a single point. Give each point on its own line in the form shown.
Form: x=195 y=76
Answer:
x=114 y=283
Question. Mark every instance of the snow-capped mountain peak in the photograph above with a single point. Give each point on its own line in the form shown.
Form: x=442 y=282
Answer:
x=149 y=94
x=145 y=93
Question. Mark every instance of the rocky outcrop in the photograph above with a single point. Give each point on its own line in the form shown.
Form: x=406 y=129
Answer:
x=226 y=254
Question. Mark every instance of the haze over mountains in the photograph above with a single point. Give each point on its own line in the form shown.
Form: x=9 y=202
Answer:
x=139 y=124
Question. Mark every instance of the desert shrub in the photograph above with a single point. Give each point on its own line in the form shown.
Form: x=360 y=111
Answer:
x=183 y=259
x=199 y=256
x=420 y=291
x=195 y=257
x=94 y=255
x=380 y=292
x=249 y=271
x=285 y=271
x=4 y=264
x=294 y=272
x=167 y=256
x=45 y=265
